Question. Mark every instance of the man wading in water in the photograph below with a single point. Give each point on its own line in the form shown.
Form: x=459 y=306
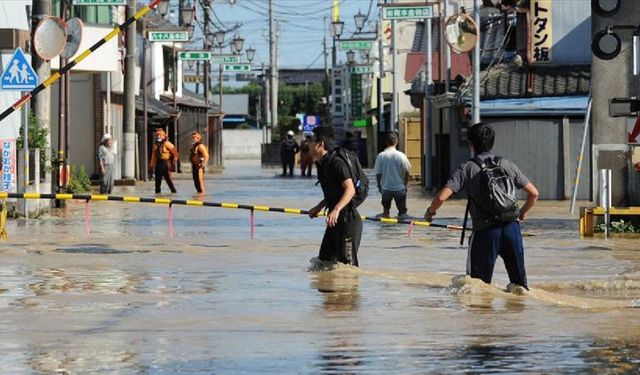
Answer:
x=495 y=231
x=344 y=227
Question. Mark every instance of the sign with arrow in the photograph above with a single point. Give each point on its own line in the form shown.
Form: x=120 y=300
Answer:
x=18 y=75
x=225 y=59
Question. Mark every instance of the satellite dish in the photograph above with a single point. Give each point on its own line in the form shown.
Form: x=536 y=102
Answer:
x=50 y=37
x=74 y=37
x=461 y=33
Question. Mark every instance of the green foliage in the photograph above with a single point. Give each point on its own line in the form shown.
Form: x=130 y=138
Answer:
x=37 y=133
x=79 y=182
x=618 y=227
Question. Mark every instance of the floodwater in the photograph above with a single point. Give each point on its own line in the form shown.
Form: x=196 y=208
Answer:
x=130 y=299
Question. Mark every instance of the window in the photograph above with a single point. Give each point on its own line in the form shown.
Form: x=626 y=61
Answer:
x=167 y=59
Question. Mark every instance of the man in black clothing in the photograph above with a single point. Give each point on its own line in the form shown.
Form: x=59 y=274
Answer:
x=344 y=227
x=288 y=150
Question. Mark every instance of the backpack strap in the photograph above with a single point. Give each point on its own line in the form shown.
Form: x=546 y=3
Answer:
x=479 y=162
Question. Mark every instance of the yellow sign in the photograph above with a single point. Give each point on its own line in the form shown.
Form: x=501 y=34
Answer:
x=541 y=32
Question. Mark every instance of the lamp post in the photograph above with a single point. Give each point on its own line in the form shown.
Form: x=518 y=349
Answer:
x=250 y=54
x=185 y=19
x=336 y=30
x=219 y=38
x=359 y=21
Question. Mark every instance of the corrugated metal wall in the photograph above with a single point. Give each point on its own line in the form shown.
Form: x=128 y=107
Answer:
x=536 y=146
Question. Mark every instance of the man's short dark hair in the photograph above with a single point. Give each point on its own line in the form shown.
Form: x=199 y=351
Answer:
x=325 y=135
x=511 y=3
x=482 y=136
x=392 y=139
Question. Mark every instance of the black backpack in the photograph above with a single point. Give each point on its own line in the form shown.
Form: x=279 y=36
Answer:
x=497 y=195
x=360 y=180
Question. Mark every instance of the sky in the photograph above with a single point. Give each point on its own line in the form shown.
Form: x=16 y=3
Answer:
x=302 y=26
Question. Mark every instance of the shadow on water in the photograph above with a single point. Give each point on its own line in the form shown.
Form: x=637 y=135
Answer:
x=91 y=249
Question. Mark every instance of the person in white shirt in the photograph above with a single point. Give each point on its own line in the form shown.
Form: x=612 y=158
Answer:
x=392 y=173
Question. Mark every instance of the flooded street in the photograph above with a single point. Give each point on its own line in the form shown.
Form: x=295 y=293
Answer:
x=130 y=299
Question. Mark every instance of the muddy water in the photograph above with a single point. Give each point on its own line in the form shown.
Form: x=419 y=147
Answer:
x=129 y=299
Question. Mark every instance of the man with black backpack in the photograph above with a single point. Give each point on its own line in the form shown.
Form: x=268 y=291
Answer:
x=491 y=183
x=344 y=187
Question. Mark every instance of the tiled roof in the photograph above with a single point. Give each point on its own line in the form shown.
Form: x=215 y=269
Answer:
x=511 y=81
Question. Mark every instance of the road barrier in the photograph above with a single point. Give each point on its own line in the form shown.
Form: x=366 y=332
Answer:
x=192 y=202
x=65 y=69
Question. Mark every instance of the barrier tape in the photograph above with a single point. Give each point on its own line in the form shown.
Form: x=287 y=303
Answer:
x=187 y=202
x=64 y=70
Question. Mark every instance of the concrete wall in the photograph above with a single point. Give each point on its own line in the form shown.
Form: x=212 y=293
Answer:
x=241 y=143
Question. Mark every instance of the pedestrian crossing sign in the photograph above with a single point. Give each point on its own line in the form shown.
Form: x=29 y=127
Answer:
x=18 y=75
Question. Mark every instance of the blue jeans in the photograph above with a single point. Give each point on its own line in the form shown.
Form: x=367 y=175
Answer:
x=399 y=196
x=504 y=239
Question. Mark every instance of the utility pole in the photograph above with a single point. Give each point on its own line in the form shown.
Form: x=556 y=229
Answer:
x=41 y=103
x=129 y=112
x=273 y=71
x=476 y=68
x=394 y=85
x=63 y=120
x=207 y=47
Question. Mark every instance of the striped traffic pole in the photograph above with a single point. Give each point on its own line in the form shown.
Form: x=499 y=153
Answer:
x=55 y=76
x=191 y=202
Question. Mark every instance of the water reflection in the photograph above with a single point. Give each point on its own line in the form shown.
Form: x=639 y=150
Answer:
x=340 y=352
x=613 y=356
x=339 y=289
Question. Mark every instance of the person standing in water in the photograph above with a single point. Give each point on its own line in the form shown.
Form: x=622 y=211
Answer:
x=199 y=158
x=163 y=155
x=344 y=227
x=106 y=160
x=493 y=234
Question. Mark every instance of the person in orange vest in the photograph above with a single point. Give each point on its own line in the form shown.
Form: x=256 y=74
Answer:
x=163 y=157
x=199 y=158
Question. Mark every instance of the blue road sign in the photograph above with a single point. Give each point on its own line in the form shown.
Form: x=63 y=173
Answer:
x=18 y=75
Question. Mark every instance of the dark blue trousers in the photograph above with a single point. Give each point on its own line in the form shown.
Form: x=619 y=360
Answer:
x=504 y=239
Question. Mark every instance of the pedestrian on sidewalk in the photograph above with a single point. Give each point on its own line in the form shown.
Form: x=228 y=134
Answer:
x=288 y=150
x=163 y=159
x=392 y=173
x=344 y=226
x=496 y=227
x=199 y=159
x=106 y=161
x=306 y=161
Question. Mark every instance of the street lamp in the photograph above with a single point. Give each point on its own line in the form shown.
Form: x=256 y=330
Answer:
x=233 y=48
x=163 y=8
x=359 y=20
x=336 y=28
x=238 y=42
x=250 y=53
x=351 y=57
x=219 y=37
x=186 y=14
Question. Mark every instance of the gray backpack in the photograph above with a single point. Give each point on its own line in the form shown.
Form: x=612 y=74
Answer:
x=497 y=196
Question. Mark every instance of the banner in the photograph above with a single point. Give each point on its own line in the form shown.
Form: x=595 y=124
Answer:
x=8 y=151
x=540 y=32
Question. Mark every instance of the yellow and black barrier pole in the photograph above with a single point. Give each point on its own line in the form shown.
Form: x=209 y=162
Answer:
x=65 y=69
x=192 y=202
